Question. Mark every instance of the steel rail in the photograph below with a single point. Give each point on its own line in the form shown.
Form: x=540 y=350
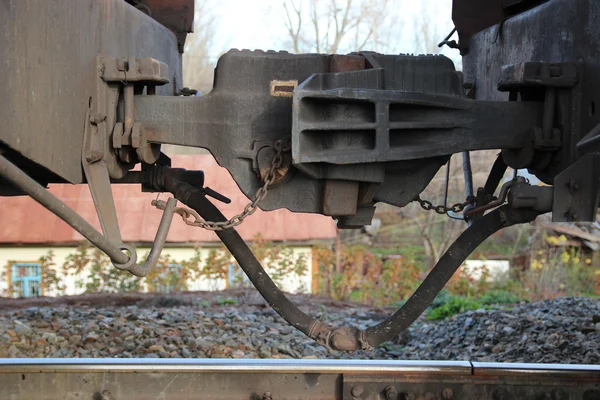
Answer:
x=183 y=379
x=277 y=366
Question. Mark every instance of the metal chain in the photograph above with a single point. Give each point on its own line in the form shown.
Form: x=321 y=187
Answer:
x=443 y=209
x=192 y=218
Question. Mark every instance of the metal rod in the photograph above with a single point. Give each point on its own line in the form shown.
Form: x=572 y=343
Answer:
x=348 y=338
x=447 y=182
x=128 y=95
x=157 y=247
x=468 y=176
x=468 y=173
x=20 y=179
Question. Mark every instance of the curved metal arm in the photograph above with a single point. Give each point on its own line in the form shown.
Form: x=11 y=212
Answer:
x=120 y=259
x=351 y=338
x=157 y=247
x=21 y=180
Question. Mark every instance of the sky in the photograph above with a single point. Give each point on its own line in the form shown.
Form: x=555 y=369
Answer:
x=258 y=24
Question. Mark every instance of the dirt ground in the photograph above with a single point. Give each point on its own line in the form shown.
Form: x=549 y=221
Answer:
x=103 y=300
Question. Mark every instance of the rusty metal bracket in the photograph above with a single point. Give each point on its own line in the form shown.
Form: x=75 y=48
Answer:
x=577 y=195
x=98 y=179
x=99 y=183
x=177 y=15
x=132 y=69
x=540 y=74
x=497 y=202
x=129 y=139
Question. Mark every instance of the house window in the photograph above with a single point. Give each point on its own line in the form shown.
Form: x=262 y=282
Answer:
x=169 y=279
x=236 y=277
x=26 y=279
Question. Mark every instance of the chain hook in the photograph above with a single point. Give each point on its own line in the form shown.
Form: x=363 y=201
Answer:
x=192 y=218
x=443 y=209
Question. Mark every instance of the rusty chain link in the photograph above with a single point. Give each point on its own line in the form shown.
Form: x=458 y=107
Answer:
x=192 y=218
x=443 y=209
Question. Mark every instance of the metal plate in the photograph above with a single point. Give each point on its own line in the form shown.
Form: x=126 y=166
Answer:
x=48 y=70
x=556 y=31
x=117 y=379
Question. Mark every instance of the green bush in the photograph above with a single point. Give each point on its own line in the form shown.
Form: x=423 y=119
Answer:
x=454 y=305
x=227 y=301
x=498 y=297
x=442 y=298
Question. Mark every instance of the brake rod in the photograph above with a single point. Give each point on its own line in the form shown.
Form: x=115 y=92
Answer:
x=114 y=251
x=351 y=338
x=20 y=179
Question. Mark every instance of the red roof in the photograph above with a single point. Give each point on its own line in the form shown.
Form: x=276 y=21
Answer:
x=24 y=221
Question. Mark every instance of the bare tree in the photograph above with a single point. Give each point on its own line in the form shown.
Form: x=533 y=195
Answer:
x=426 y=33
x=334 y=26
x=198 y=62
x=293 y=24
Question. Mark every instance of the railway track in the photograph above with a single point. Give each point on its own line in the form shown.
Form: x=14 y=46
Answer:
x=179 y=379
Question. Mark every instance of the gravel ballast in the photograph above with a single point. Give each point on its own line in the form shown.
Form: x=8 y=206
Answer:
x=564 y=330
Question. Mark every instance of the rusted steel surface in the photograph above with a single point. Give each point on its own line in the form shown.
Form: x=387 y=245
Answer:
x=49 y=76
x=345 y=63
x=177 y=15
x=45 y=379
x=472 y=16
x=557 y=31
x=340 y=197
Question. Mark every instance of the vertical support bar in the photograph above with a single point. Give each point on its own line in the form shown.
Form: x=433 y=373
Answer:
x=468 y=174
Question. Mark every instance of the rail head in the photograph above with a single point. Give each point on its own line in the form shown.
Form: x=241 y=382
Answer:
x=186 y=379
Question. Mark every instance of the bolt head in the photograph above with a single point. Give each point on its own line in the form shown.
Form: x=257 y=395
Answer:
x=357 y=391
x=94 y=156
x=391 y=393
x=447 y=393
x=500 y=394
x=558 y=394
x=267 y=396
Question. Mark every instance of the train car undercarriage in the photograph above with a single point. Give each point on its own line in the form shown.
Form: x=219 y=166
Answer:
x=315 y=133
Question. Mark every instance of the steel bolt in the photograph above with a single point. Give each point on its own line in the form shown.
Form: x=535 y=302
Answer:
x=447 y=394
x=558 y=394
x=500 y=394
x=391 y=393
x=357 y=391
x=573 y=186
x=267 y=396
x=106 y=395
x=94 y=156
x=96 y=118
